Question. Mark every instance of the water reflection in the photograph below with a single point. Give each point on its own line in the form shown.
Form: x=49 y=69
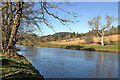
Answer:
x=31 y=48
x=107 y=64
x=64 y=63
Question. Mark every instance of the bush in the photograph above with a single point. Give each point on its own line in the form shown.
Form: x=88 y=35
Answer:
x=89 y=39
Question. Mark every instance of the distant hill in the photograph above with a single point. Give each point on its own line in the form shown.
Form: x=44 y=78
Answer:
x=69 y=35
x=56 y=36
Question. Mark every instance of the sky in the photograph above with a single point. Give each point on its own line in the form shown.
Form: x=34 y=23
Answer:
x=85 y=12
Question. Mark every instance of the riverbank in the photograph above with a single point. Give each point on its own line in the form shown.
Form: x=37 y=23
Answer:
x=18 y=68
x=113 y=47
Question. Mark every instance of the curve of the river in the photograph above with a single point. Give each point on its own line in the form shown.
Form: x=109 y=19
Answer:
x=64 y=63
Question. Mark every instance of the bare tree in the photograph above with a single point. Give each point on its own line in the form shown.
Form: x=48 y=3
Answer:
x=21 y=18
x=10 y=24
x=96 y=25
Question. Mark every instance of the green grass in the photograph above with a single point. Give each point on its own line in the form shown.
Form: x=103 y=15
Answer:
x=112 y=47
x=18 y=68
x=107 y=47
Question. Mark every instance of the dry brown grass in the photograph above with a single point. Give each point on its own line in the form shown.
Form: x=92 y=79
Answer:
x=77 y=41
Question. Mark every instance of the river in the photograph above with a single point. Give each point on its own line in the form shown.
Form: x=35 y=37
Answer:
x=65 y=63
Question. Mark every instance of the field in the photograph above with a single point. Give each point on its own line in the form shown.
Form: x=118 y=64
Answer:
x=78 y=41
x=112 y=47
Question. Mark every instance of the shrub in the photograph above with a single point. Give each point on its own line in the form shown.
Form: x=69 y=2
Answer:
x=89 y=39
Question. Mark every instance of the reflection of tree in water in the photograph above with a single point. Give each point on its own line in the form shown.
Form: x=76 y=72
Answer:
x=100 y=64
x=33 y=51
x=31 y=48
x=100 y=60
x=104 y=65
x=102 y=69
x=89 y=55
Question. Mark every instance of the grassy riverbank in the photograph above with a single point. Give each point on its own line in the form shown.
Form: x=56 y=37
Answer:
x=113 y=47
x=18 y=68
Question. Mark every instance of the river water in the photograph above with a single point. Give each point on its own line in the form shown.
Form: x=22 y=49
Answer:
x=65 y=63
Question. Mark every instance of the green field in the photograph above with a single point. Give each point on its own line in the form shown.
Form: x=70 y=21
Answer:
x=112 y=47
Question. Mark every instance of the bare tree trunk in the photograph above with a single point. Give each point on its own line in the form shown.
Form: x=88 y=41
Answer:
x=102 y=39
x=12 y=39
x=0 y=39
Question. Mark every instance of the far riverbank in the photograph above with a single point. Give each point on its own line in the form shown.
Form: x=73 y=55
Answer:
x=113 y=47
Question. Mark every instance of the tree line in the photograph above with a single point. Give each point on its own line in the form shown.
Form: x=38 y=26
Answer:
x=69 y=35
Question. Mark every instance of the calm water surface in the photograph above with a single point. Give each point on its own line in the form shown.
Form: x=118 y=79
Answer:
x=64 y=63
